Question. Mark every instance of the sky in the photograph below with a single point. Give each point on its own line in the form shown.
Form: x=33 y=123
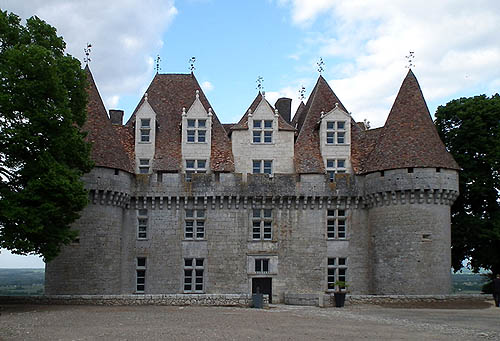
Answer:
x=364 y=45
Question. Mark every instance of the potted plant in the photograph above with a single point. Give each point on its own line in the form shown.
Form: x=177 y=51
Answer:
x=339 y=293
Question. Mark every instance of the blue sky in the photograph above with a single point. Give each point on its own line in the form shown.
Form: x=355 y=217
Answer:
x=363 y=44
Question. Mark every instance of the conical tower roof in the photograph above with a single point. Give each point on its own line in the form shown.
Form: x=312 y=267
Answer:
x=307 y=152
x=107 y=150
x=409 y=137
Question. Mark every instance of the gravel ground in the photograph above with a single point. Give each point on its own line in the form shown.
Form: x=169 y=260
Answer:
x=280 y=322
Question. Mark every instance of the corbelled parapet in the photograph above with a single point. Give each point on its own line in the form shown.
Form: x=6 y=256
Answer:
x=228 y=189
x=418 y=185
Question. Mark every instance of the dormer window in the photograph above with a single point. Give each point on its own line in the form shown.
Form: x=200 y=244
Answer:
x=145 y=129
x=334 y=166
x=335 y=132
x=144 y=166
x=195 y=166
x=262 y=166
x=196 y=131
x=262 y=131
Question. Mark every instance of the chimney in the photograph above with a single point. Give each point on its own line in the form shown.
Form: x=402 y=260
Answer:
x=116 y=116
x=284 y=106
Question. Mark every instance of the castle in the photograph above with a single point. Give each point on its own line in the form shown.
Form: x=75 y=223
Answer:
x=180 y=203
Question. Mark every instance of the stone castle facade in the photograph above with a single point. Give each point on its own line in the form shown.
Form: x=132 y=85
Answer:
x=180 y=203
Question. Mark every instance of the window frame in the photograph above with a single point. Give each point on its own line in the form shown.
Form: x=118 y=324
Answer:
x=144 y=166
x=261 y=265
x=145 y=130
x=196 y=169
x=336 y=135
x=262 y=224
x=142 y=224
x=195 y=219
x=335 y=219
x=262 y=133
x=195 y=279
x=140 y=274
x=196 y=133
x=336 y=272
x=262 y=167
x=332 y=168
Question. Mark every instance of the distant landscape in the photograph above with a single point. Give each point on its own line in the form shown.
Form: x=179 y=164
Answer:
x=20 y=282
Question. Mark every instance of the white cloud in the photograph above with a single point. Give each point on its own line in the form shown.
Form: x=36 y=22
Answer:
x=112 y=102
x=125 y=35
x=207 y=86
x=364 y=43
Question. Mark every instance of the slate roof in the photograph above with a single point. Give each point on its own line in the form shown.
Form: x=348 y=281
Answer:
x=167 y=95
x=409 y=137
x=307 y=151
x=107 y=151
x=243 y=123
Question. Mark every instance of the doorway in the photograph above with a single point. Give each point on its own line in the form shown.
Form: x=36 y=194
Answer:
x=264 y=285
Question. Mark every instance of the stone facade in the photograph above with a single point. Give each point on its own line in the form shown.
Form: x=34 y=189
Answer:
x=289 y=234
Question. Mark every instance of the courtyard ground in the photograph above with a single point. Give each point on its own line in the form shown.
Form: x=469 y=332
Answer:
x=280 y=322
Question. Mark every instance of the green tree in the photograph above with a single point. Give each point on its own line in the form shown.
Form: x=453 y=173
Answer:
x=43 y=153
x=470 y=129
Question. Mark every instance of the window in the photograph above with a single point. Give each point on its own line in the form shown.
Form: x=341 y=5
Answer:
x=145 y=129
x=262 y=131
x=336 y=224
x=335 y=132
x=194 y=227
x=140 y=274
x=336 y=271
x=262 y=166
x=144 y=166
x=195 y=166
x=142 y=224
x=335 y=166
x=262 y=222
x=262 y=265
x=196 y=131
x=193 y=274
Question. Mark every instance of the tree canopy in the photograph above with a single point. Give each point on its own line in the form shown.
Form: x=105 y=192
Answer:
x=470 y=129
x=43 y=153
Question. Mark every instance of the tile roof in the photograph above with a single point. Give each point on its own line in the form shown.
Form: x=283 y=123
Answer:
x=243 y=123
x=126 y=136
x=307 y=151
x=363 y=143
x=409 y=137
x=300 y=115
x=167 y=95
x=107 y=151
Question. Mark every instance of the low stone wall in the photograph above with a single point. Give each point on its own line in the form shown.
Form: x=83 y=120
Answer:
x=301 y=299
x=328 y=300
x=234 y=300
x=388 y=299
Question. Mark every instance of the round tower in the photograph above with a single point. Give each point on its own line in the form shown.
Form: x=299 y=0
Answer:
x=411 y=182
x=91 y=264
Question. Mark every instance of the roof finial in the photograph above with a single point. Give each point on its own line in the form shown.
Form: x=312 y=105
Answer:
x=249 y=112
x=321 y=65
x=183 y=111
x=210 y=112
x=197 y=93
x=302 y=93
x=322 y=114
x=87 y=51
x=410 y=57
x=145 y=96
x=336 y=105
x=260 y=83
x=276 y=112
x=158 y=60
x=191 y=61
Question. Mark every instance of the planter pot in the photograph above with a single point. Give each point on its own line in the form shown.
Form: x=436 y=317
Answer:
x=339 y=299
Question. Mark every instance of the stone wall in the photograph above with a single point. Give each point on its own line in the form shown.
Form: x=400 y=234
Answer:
x=171 y=300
